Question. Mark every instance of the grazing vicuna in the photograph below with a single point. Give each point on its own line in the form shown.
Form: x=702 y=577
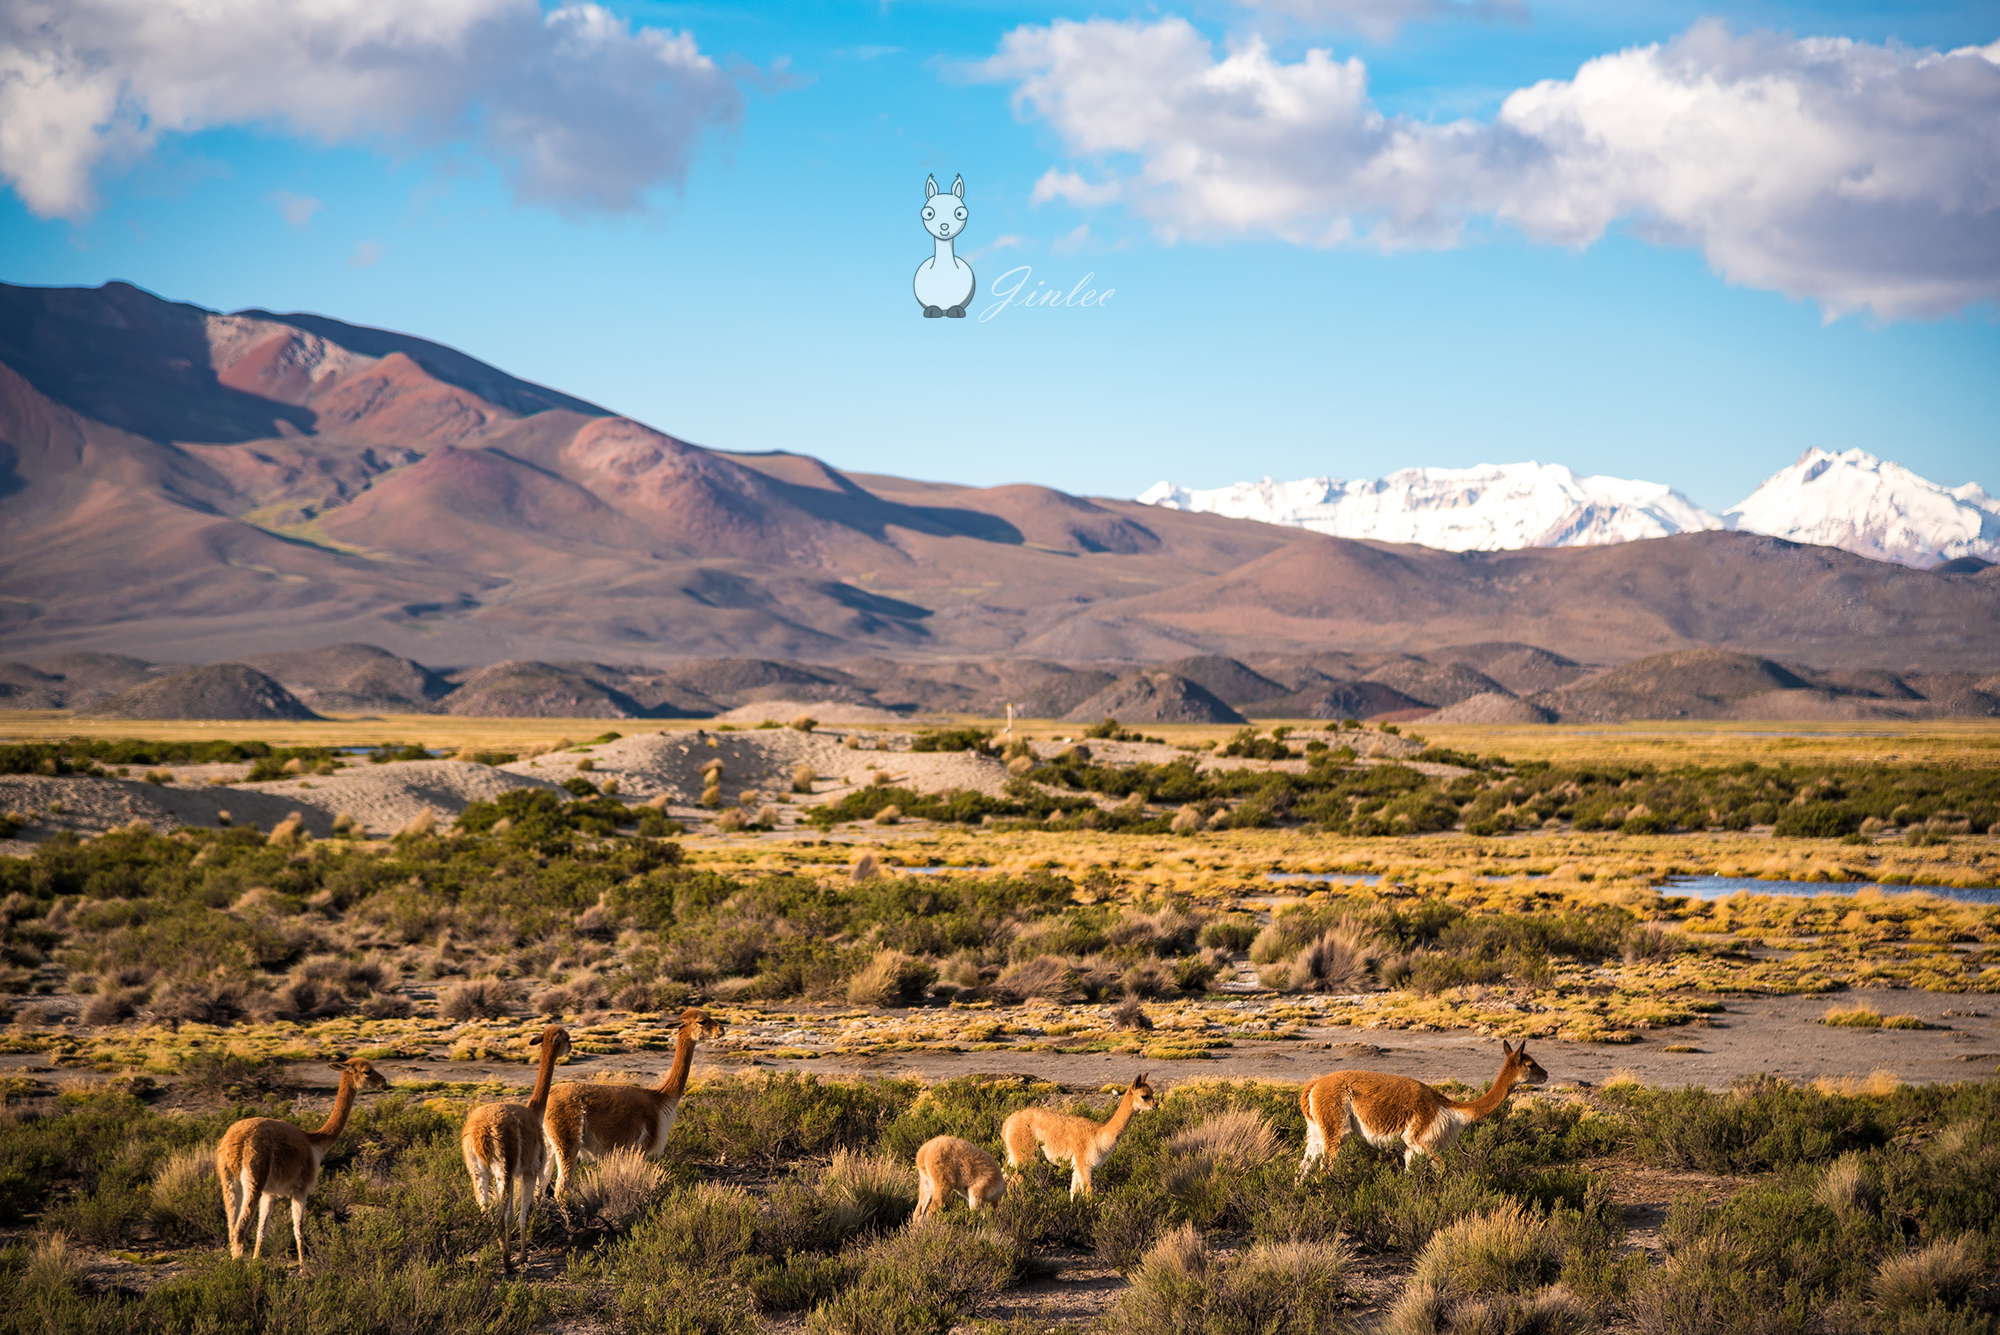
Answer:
x=505 y=1152
x=1391 y=1111
x=595 y=1118
x=1080 y=1142
x=948 y=1166
x=261 y=1159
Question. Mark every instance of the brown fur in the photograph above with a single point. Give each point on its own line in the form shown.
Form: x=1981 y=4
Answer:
x=595 y=1118
x=947 y=1167
x=504 y=1151
x=1394 y=1110
x=261 y=1159
x=1077 y=1141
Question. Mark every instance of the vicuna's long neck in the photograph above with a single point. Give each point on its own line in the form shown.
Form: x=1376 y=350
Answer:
x=945 y=258
x=677 y=1075
x=336 y=1121
x=538 y=1101
x=1491 y=1100
x=1108 y=1133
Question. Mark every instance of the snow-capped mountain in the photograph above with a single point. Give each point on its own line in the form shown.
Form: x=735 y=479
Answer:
x=1488 y=508
x=1873 y=508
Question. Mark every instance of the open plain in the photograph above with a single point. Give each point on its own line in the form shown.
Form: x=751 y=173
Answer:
x=1759 y=963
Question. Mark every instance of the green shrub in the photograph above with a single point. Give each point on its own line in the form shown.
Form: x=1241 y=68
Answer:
x=1181 y=1288
x=776 y=1117
x=1766 y=1125
x=979 y=740
x=920 y=1281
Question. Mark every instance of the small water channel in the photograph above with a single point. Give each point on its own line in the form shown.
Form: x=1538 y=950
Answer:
x=1722 y=887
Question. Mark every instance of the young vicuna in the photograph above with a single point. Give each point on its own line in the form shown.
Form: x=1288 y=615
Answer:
x=1391 y=1111
x=1084 y=1144
x=595 y=1118
x=948 y=1166
x=260 y=1160
x=504 y=1150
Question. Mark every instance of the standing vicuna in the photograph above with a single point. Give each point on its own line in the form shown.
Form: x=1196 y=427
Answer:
x=505 y=1152
x=261 y=1159
x=947 y=1166
x=1084 y=1144
x=944 y=282
x=1389 y=1111
x=596 y=1118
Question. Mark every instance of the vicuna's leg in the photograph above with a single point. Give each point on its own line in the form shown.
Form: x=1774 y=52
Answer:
x=927 y=1196
x=523 y=1202
x=503 y=1213
x=565 y=1157
x=232 y=1209
x=1315 y=1148
x=263 y=1219
x=1079 y=1180
x=298 y=1228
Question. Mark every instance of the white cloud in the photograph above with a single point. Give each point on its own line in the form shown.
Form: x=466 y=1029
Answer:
x=1380 y=19
x=1861 y=176
x=365 y=254
x=1072 y=241
x=579 y=110
x=297 y=209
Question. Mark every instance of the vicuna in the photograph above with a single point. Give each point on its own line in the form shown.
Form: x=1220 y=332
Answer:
x=1080 y=1142
x=947 y=1167
x=261 y=1159
x=1392 y=1111
x=505 y=1152
x=595 y=1119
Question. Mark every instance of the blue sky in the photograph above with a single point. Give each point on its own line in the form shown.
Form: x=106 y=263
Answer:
x=1309 y=278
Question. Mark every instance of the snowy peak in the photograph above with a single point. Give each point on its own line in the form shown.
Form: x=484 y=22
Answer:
x=1873 y=508
x=1488 y=508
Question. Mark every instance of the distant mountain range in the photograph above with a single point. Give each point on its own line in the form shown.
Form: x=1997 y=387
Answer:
x=178 y=484
x=1474 y=683
x=1852 y=501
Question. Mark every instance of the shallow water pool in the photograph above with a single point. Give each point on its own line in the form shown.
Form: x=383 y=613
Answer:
x=1721 y=887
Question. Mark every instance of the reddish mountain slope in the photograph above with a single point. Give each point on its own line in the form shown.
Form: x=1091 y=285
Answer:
x=190 y=485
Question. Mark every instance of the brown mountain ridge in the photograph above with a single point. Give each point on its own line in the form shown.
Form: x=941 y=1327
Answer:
x=180 y=484
x=1685 y=684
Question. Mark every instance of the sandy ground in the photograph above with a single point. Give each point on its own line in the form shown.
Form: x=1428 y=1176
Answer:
x=382 y=797
x=1777 y=1035
x=645 y=766
x=672 y=763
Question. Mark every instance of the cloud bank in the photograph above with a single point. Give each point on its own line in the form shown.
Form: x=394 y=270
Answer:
x=1862 y=177
x=579 y=110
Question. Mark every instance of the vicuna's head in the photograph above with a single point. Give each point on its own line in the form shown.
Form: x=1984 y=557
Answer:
x=554 y=1039
x=1527 y=1070
x=696 y=1023
x=1141 y=1094
x=944 y=214
x=364 y=1075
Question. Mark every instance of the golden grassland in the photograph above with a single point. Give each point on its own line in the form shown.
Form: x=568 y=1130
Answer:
x=1974 y=742
x=1749 y=944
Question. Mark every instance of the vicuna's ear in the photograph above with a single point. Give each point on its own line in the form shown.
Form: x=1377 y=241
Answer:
x=958 y=187
x=930 y=186
x=337 y=1066
x=536 y=1041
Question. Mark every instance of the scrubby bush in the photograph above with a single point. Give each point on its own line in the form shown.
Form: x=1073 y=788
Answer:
x=891 y=978
x=477 y=999
x=1181 y=1287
